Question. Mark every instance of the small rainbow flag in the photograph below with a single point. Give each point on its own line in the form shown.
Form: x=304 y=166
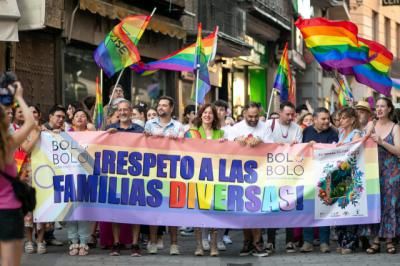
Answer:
x=181 y=60
x=192 y=134
x=374 y=74
x=118 y=50
x=334 y=44
x=201 y=63
x=98 y=116
x=396 y=83
x=283 y=79
x=345 y=94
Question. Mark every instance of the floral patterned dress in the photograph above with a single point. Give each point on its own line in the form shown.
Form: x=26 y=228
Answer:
x=389 y=173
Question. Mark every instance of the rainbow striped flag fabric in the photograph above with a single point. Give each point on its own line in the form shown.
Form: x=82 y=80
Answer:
x=201 y=64
x=98 y=116
x=334 y=44
x=283 y=79
x=181 y=60
x=374 y=74
x=118 y=50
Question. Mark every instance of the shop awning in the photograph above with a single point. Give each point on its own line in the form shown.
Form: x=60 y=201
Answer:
x=9 y=15
x=119 y=10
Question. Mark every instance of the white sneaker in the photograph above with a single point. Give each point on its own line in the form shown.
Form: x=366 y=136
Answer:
x=227 y=240
x=174 y=250
x=307 y=247
x=221 y=246
x=160 y=244
x=324 y=247
x=152 y=249
x=206 y=245
x=41 y=248
x=29 y=247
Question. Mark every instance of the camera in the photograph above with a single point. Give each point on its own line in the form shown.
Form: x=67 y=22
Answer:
x=7 y=94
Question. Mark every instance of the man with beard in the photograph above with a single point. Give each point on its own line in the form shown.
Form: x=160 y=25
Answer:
x=320 y=132
x=364 y=114
x=124 y=109
x=283 y=131
x=251 y=132
x=164 y=126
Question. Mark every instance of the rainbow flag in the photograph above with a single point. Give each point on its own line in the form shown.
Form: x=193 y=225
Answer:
x=374 y=74
x=283 y=79
x=334 y=44
x=181 y=60
x=345 y=94
x=202 y=76
x=118 y=50
x=98 y=116
x=396 y=83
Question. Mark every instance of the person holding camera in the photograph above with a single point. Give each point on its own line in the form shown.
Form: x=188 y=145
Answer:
x=11 y=215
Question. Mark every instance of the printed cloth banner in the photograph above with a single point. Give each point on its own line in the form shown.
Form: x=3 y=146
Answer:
x=131 y=178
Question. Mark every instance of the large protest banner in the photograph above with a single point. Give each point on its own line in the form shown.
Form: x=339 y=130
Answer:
x=131 y=178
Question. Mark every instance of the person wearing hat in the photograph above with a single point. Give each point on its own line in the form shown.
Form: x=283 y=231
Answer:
x=364 y=114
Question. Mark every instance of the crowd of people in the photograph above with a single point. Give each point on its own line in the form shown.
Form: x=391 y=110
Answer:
x=21 y=127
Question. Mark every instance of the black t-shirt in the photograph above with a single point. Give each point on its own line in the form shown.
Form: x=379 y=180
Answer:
x=326 y=136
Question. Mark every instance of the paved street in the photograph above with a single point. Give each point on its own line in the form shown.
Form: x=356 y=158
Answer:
x=58 y=256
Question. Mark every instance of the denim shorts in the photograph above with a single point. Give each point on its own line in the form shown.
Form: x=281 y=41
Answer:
x=11 y=225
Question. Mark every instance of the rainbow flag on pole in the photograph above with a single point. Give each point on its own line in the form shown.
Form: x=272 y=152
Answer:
x=98 y=116
x=118 y=50
x=374 y=74
x=334 y=44
x=283 y=79
x=202 y=76
x=181 y=60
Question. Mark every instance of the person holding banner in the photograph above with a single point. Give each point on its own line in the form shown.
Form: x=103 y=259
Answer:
x=11 y=216
x=125 y=125
x=320 y=132
x=281 y=131
x=79 y=231
x=206 y=126
x=250 y=132
x=164 y=126
x=387 y=135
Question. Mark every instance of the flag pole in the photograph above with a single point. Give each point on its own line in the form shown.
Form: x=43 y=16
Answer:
x=101 y=92
x=270 y=102
x=348 y=87
x=196 y=88
x=118 y=79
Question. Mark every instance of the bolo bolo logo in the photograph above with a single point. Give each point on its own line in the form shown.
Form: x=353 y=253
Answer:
x=67 y=152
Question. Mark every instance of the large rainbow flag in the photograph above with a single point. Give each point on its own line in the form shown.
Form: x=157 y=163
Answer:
x=283 y=79
x=118 y=50
x=334 y=44
x=374 y=74
x=181 y=60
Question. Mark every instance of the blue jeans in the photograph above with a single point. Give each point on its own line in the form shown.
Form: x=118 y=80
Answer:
x=79 y=231
x=324 y=234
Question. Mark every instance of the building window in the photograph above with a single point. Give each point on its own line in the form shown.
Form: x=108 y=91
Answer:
x=398 y=40
x=375 y=25
x=387 y=33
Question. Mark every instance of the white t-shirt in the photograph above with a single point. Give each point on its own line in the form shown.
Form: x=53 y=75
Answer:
x=243 y=129
x=283 y=133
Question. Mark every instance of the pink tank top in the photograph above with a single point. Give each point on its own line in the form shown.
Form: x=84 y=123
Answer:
x=7 y=195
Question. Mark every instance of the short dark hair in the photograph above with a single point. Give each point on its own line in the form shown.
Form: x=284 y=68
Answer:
x=168 y=98
x=215 y=123
x=221 y=103
x=252 y=105
x=88 y=118
x=140 y=108
x=286 y=104
x=320 y=110
x=188 y=109
x=56 y=108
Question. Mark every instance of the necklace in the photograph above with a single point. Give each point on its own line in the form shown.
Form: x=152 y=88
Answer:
x=284 y=135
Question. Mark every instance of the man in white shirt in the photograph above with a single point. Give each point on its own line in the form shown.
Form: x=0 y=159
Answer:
x=251 y=132
x=283 y=131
